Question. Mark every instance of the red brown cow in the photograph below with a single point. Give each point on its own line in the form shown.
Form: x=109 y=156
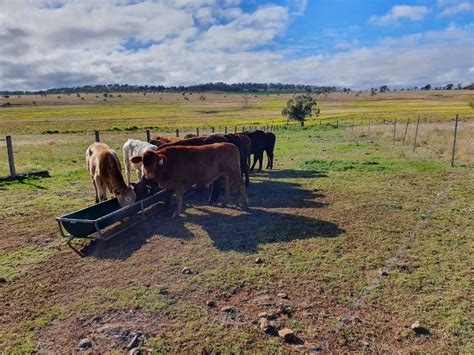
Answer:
x=104 y=169
x=178 y=168
x=160 y=140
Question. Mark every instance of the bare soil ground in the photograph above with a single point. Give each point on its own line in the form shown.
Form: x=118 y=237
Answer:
x=358 y=240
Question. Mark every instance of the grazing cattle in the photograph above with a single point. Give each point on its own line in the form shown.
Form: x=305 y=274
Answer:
x=269 y=148
x=133 y=148
x=104 y=169
x=243 y=143
x=178 y=168
x=197 y=141
x=258 y=139
x=190 y=135
x=145 y=188
x=159 y=140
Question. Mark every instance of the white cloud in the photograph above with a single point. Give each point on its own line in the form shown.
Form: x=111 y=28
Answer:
x=400 y=12
x=456 y=9
x=165 y=42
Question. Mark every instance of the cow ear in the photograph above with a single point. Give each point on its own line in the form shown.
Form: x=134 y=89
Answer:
x=136 y=160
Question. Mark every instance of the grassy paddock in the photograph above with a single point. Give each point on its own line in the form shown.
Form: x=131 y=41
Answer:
x=338 y=205
x=165 y=112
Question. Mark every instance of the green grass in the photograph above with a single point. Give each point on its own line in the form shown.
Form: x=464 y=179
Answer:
x=325 y=221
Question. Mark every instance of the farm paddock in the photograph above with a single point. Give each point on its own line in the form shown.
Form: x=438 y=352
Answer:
x=358 y=240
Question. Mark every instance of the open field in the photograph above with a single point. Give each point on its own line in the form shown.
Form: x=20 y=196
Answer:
x=339 y=208
x=164 y=111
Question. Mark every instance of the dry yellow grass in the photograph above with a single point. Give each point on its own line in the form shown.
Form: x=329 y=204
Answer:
x=434 y=138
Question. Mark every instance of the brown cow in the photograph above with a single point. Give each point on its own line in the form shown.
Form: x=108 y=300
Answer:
x=190 y=135
x=104 y=169
x=160 y=140
x=178 y=168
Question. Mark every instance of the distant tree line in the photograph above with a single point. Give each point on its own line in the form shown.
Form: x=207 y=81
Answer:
x=223 y=87
x=208 y=87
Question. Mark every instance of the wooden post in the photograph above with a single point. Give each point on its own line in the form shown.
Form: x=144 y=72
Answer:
x=11 y=162
x=394 y=130
x=416 y=133
x=97 y=136
x=406 y=130
x=148 y=135
x=225 y=129
x=197 y=131
x=212 y=129
x=177 y=132
x=454 y=142
x=235 y=129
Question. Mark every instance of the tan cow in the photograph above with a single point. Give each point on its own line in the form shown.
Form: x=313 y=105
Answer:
x=104 y=169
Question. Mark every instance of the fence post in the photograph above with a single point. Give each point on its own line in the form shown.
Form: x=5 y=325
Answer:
x=225 y=129
x=235 y=129
x=416 y=133
x=394 y=130
x=177 y=132
x=406 y=130
x=212 y=129
x=97 y=136
x=197 y=131
x=11 y=162
x=148 y=135
x=454 y=142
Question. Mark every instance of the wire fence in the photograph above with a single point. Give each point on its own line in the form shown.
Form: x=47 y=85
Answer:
x=448 y=140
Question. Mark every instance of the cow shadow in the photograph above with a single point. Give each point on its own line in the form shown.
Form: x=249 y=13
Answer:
x=231 y=229
x=290 y=174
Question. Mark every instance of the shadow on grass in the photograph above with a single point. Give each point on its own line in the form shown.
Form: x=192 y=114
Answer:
x=240 y=231
x=291 y=174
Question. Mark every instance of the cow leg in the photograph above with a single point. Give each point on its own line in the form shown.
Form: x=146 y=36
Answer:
x=245 y=172
x=215 y=190
x=95 y=190
x=139 y=173
x=101 y=189
x=254 y=162
x=168 y=196
x=243 y=196
x=179 y=201
x=260 y=161
x=127 y=170
x=270 y=160
x=227 y=189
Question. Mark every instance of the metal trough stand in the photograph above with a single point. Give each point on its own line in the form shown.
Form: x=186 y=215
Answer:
x=92 y=222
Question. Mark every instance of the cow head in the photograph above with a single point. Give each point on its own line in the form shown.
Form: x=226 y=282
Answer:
x=125 y=196
x=152 y=164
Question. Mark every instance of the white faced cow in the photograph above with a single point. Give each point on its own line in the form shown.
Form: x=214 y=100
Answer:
x=133 y=148
x=104 y=168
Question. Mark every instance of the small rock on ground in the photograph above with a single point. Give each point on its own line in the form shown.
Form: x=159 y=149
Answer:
x=228 y=309
x=258 y=261
x=186 y=271
x=419 y=329
x=210 y=303
x=283 y=295
x=134 y=351
x=286 y=334
x=85 y=343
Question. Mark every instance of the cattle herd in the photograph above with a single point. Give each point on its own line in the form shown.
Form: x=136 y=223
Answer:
x=177 y=165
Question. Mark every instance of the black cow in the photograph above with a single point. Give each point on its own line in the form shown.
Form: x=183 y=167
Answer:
x=258 y=139
x=269 y=148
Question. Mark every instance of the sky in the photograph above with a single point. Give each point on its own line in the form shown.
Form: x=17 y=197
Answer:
x=345 y=43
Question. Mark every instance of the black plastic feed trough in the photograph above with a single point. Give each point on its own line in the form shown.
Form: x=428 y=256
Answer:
x=91 y=222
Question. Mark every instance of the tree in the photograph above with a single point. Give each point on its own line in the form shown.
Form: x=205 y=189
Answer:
x=300 y=107
x=426 y=87
x=449 y=87
x=384 y=88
